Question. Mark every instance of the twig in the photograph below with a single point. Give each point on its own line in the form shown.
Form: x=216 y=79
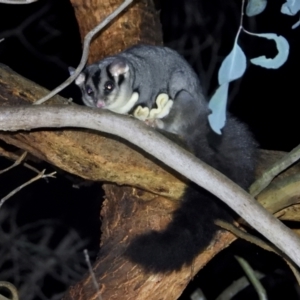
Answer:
x=40 y=175
x=18 y=32
x=260 y=243
x=237 y=286
x=17 y=1
x=274 y=170
x=88 y=262
x=172 y=155
x=262 y=295
x=85 y=52
x=13 y=156
x=16 y=163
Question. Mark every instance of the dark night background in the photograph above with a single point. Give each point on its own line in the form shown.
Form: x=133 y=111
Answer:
x=42 y=40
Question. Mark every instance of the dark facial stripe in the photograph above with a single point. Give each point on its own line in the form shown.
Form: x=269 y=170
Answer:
x=121 y=79
x=96 y=78
x=86 y=73
x=109 y=74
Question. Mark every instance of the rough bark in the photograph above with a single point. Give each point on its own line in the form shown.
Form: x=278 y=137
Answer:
x=124 y=216
x=89 y=155
x=94 y=157
x=127 y=210
x=138 y=24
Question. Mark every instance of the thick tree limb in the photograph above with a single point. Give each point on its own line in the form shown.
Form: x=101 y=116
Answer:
x=117 y=277
x=78 y=139
x=86 y=154
x=95 y=157
x=25 y=118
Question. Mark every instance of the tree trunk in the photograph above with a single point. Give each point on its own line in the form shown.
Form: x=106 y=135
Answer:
x=137 y=24
x=128 y=210
x=144 y=200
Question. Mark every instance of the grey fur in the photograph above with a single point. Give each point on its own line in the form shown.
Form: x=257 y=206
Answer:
x=149 y=71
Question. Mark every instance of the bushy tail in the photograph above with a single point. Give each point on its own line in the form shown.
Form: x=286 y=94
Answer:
x=192 y=228
x=190 y=231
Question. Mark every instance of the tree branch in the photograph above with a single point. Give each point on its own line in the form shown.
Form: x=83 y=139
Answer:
x=253 y=279
x=26 y=118
x=37 y=177
x=85 y=51
x=278 y=167
x=17 y=1
x=16 y=163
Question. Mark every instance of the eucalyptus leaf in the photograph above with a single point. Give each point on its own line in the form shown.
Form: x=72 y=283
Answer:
x=233 y=66
x=290 y=7
x=283 y=52
x=218 y=104
x=255 y=7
